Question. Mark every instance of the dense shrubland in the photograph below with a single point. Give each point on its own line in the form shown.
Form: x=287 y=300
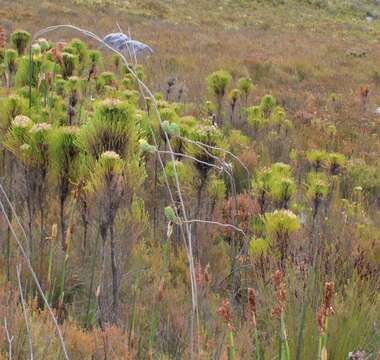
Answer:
x=284 y=234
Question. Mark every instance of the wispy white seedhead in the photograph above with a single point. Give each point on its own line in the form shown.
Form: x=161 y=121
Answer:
x=40 y=127
x=110 y=155
x=21 y=121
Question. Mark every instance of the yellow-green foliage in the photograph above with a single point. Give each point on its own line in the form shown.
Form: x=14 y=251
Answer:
x=10 y=57
x=255 y=117
x=218 y=82
x=70 y=63
x=112 y=128
x=11 y=106
x=317 y=186
x=216 y=188
x=108 y=172
x=276 y=183
x=335 y=162
x=183 y=170
x=245 y=85
x=281 y=222
x=267 y=104
x=81 y=51
x=64 y=151
x=258 y=247
x=317 y=158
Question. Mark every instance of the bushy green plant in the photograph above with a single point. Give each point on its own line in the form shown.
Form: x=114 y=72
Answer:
x=10 y=107
x=27 y=72
x=279 y=226
x=63 y=153
x=20 y=40
x=106 y=78
x=213 y=138
x=70 y=63
x=10 y=57
x=81 y=50
x=255 y=117
x=218 y=82
x=267 y=104
x=233 y=96
x=111 y=129
x=317 y=158
x=317 y=189
x=281 y=223
x=278 y=116
x=335 y=162
x=276 y=184
x=245 y=85
x=95 y=57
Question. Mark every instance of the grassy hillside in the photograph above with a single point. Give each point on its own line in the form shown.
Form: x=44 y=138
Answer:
x=300 y=52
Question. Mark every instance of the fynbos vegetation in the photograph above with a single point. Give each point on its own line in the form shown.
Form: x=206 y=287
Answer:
x=139 y=220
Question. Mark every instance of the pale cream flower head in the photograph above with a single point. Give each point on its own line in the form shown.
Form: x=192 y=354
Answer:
x=40 y=127
x=110 y=155
x=21 y=121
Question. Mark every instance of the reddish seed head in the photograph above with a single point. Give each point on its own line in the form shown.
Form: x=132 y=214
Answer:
x=252 y=304
x=326 y=308
x=252 y=300
x=224 y=311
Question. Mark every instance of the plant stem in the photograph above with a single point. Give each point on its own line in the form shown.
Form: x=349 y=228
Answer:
x=115 y=285
x=231 y=347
